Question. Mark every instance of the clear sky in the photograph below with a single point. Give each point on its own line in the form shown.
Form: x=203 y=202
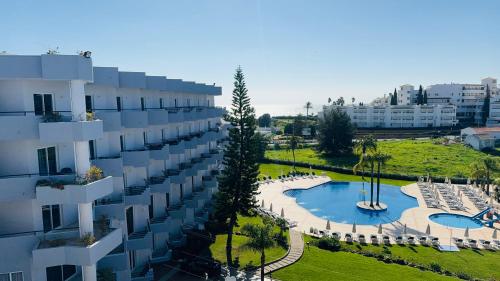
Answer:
x=291 y=51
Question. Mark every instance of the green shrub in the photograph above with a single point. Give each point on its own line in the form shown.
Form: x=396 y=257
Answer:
x=436 y=267
x=464 y=276
x=328 y=243
x=88 y=239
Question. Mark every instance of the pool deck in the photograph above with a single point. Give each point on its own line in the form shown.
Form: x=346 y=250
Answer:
x=416 y=219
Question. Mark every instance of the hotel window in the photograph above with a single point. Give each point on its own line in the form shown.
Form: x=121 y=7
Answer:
x=12 y=276
x=118 y=103
x=47 y=162
x=143 y=104
x=60 y=272
x=92 y=149
x=43 y=104
x=51 y=217
x=88 y=103
x=161 y=103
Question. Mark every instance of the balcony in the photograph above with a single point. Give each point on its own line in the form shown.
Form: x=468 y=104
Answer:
x=66 y=247
x=110 y=166
x=178 y=239
x=111 y=208
x=112 y=120
x=190 y=142
x=160 y=224
x=200 y=113
x=159 y=184
x=189 y=114
x=59 y=191
x=158 y=151
x=137 y=195
x=116 y=259
x=177 y=212
x=208 y=159
x=51 y=132
x=157 y=117
x=189 y=202
x=134 y=119
x=142 y=273
x=176 y=176
x=136 y=158
x=18 y=126
x=175 y=116
x=209 y=182
x=176 y=146
x=161 y=255
x=17 y=187
x=138 y=240
x=188 y=169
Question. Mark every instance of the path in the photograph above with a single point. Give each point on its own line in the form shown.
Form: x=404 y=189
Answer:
x=295 y=252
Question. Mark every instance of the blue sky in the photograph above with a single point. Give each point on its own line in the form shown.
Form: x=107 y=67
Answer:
x=291 y=51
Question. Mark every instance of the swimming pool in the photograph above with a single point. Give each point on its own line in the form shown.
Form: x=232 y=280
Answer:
x=458 y=221
x=336 y=201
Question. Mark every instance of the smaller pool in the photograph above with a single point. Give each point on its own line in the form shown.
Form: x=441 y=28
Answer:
x=458 y=221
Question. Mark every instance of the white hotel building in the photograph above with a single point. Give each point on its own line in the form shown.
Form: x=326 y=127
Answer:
x=156 y=140
x=399 y=116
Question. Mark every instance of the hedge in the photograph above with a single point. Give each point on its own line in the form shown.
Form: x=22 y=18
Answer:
x=348 y=171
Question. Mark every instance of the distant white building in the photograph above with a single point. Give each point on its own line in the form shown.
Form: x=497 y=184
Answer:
x=480 y=138
x=407 y=95
x=399 y=116
x=469 y=98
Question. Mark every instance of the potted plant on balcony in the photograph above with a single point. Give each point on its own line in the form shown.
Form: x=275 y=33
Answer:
x=88 y=239
x=93 y=174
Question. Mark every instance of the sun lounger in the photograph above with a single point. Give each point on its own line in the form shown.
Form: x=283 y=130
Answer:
x=411 y=240
x=400 y=240
x=435 y=242
x=336 y=235
x=348 y=237
x=423 y=241
x=485 y=244
x=374 y=239
x=472 y=243
x=386 y=240
x=361 y=238
x=459 y=242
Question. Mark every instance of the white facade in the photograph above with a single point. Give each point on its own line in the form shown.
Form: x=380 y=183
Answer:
x=157 y=141
x=407 y=95
x=399 y=116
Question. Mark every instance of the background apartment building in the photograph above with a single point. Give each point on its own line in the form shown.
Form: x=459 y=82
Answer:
x=398 y=116
x=157 y=141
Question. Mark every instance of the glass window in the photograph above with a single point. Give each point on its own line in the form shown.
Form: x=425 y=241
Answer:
x=4 y=277
x=16 y=276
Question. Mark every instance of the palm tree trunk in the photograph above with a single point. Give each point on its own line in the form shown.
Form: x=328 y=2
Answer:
x=487 y=182
x=371 y=186
x=229 y=241
x=378 y=183
x=293 y=153
x=262 y=263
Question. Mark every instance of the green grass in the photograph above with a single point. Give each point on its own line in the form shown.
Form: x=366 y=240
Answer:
x=409 y=157
x=245 y=255
x=479 y=264
x=274 y=170
x=319 y=265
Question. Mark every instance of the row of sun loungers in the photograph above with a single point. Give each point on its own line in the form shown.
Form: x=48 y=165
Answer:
x=409 y=240
x=430 y=199
x=450 y=197
x=273 y=215
x=473 y=197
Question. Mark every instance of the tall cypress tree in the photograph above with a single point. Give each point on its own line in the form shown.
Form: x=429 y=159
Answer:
x=425 y=97
x=238 y=180
x=420 y=96
x=486 y=106
x=394 y=98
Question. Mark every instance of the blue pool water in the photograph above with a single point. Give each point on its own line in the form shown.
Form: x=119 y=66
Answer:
x=336 y=201
x=457 y=221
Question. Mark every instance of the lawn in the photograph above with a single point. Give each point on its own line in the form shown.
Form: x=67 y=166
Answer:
x=244 y=255
x=409 y=157
x=479 y=264
x=274 y=170
x=320 y=265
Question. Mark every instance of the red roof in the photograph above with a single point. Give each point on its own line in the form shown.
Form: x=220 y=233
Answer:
x=485 y=130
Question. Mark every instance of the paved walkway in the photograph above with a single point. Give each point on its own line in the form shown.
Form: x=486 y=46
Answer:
x=294 y=253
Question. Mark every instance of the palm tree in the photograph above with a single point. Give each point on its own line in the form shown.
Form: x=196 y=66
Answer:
x=307 y=107
x=381 y=159
x=370 y=159
x=497 y=189
x=260 y=237
x=490 y=165
x=477 y=172
x=362 y=147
